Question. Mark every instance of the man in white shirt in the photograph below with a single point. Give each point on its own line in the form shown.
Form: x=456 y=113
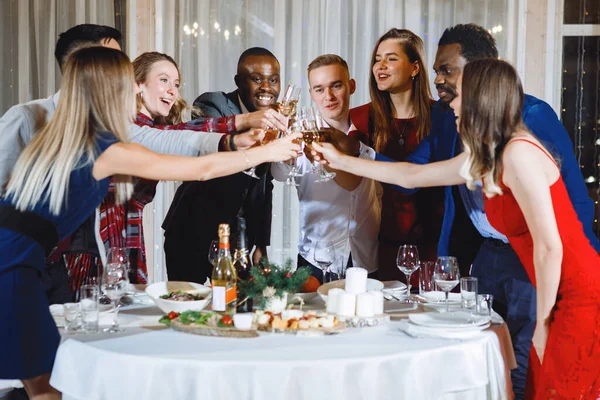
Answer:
x=345 y=211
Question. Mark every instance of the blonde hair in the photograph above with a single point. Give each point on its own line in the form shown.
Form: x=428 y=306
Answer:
x=491 y=106
x=97 y=94
x=142 y=66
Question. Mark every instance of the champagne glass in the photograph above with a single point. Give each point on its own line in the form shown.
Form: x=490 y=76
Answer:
x=320 y=123
x=407 y=261
x=324 y=256
x=213 y=252
x=115 y=281
x=446 y=274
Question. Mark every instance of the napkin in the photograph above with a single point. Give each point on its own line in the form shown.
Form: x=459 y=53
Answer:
x=419 y=331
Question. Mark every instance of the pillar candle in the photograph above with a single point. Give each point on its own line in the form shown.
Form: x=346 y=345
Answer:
x=333 y=299
x=346 y=304
x=377 y=301
x=356 y=280
x=365 y=305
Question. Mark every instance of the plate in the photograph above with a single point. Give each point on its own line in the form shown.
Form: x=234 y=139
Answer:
x=440 y=297
x=339 y=328
x=458 y=319
x=372 y=284
x=361 y=322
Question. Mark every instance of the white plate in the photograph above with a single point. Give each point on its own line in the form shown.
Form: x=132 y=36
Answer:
x=457 y=319
x=440 y=297
x=372 y=284
x=160 y=288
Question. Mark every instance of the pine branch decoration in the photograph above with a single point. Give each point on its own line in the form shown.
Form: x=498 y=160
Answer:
x=270 y=280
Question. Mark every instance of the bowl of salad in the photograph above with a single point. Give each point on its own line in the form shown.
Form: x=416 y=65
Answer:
x=179 y=296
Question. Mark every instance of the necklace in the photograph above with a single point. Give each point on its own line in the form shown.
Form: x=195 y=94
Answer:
x=406 y=122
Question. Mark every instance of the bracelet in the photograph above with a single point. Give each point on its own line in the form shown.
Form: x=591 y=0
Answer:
x=246 y=155
x=232 y=145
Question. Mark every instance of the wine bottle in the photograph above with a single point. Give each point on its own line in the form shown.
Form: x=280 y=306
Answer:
x=242 y=264
x=224 y=277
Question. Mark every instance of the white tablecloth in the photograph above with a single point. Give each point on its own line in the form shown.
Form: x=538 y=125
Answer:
x=368 y=363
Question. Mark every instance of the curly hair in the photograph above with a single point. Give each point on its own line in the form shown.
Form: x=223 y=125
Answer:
x=475 y=41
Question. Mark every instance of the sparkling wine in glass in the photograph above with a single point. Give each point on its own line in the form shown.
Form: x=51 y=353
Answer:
x=407 y=261
x=114 y=284
x=446 y=274
x=324 y=256
x=320 y=124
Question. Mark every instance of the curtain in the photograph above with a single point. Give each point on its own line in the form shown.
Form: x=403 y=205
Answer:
x=206 y=38
x=30 y=29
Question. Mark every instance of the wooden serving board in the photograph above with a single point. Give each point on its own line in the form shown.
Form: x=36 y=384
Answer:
x=339 y=328
x=212 y=330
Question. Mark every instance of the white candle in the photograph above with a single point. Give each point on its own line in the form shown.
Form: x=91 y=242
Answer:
x=333 y=297
x=346 y=305
x=365 y=305
x=356 y=280
x=377 y=301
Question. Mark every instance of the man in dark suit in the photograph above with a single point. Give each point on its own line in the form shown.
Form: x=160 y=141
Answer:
x=199 y=207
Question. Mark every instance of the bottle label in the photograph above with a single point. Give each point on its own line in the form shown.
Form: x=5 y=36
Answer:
x=222 y=296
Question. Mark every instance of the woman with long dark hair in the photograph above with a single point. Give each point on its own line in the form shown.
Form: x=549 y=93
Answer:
x=527 y=201
x=396 y=120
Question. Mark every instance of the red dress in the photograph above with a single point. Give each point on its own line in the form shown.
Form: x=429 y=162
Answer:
x=571 y=365
x=405 y=219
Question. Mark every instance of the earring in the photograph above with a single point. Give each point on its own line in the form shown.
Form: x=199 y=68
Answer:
x=412 y=77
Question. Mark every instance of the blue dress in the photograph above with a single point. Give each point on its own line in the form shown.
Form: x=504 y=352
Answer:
x=28 y=334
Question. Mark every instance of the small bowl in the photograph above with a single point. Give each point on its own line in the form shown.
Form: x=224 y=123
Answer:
x=372 y=284
x=158 y=289
x=243 y=321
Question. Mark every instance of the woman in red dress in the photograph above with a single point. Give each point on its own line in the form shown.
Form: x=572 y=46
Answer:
x=397 y=119
x=527 y=201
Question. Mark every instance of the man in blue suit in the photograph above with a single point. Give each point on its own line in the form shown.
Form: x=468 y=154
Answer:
x=466 y=231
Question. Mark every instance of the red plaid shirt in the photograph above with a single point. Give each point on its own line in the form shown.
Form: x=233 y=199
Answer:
x=121 y=225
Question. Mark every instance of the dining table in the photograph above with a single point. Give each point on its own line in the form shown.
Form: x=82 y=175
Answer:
x=151 y=361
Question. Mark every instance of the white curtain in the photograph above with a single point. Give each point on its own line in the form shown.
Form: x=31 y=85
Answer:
x=30 y=29
x=206 y=38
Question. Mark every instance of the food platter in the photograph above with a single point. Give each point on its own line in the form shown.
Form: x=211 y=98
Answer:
x=212 y=330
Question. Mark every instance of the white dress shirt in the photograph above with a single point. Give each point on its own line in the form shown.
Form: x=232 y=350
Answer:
x=330 y=213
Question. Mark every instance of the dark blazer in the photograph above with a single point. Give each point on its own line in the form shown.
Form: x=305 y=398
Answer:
x=199 y=207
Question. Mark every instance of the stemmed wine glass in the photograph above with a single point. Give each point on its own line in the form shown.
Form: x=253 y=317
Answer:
x=407 y=261
x=324 y=256
x=310 y=134
x=115 y=281
x=213 y=252
x=446 y=274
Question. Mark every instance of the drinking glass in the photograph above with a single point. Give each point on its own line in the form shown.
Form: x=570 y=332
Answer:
x=89 y=302
x=213 y=252
x=72 y=313
x=446 y=274
x=324 y=256
x=408 y=262
x=338 y=272
x=114 y=283
x=426 y=281
x=468 y=293
x=484 y=304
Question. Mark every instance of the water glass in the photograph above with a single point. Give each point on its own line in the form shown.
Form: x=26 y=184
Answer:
x=72 y=314
x=484 y=304
x=89 y=304
x=468 y=293
x=426 y=281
